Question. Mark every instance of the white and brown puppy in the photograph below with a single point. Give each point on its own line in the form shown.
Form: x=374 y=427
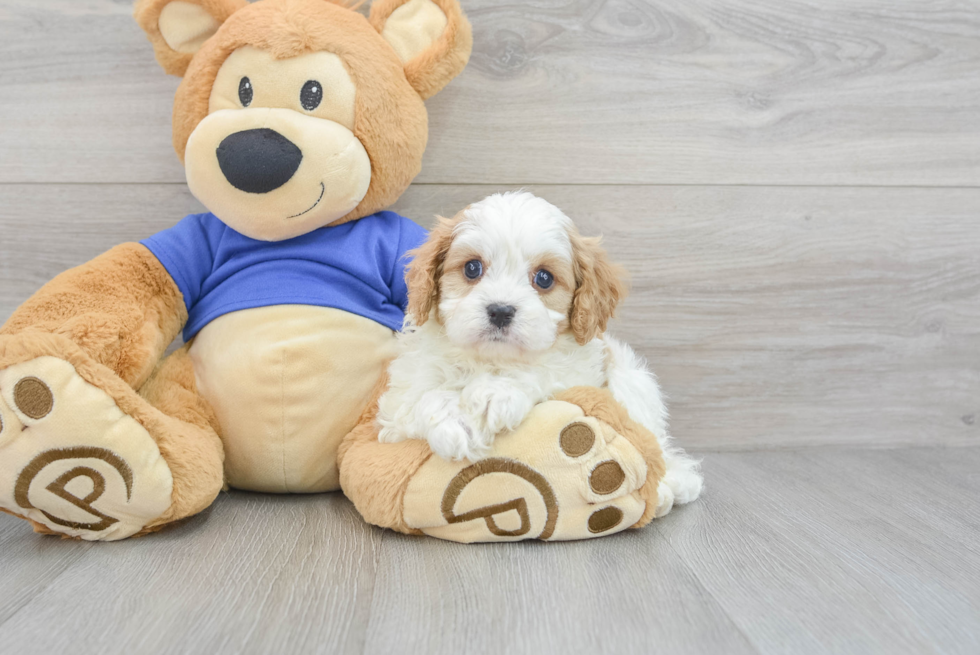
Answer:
x=508 y=305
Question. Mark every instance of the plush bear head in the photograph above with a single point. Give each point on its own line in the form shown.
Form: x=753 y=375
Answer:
x=297 y=114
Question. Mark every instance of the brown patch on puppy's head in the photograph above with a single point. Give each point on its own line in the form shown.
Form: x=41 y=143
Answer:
x=600 y=286
x=560 y=295
x=425 y=272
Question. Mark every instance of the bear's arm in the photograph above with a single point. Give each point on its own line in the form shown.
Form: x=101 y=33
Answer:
x=122 y=308
x=187 y=251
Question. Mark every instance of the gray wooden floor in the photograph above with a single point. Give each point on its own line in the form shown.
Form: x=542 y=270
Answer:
x=840 y=550
x=795 y=187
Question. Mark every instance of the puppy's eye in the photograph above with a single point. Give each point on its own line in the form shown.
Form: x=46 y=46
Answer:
x=245 y=91
x=473 y=269
x=543 y=279
x=311 y=95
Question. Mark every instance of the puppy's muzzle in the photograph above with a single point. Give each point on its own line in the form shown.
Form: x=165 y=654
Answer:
x=501 y=315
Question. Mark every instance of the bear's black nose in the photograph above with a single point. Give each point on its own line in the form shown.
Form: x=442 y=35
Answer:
x=258 y=161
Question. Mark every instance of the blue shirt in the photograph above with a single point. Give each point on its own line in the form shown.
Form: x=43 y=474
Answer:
x=358 y=267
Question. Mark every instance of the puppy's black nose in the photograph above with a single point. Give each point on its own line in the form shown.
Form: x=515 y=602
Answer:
x=501 y=315
x=258 y=161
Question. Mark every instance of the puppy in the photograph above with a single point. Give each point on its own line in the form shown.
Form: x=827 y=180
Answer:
x=508 y=305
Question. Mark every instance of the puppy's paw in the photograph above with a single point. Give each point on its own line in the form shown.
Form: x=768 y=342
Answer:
x=456 y=440
x=498 y=404
x=665 y=500
x=388 y=434
x=685 y=485
x=683 y=477
x=450 y=432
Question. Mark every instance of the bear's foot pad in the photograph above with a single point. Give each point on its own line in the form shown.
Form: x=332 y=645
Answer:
x=71 y=460
x=570 y=477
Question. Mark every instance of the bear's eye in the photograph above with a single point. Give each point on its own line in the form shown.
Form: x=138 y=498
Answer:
x=245 y=91
x=311 y=95
x=473 y=269
x=544 y=279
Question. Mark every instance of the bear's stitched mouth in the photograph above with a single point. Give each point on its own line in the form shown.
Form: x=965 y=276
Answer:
x=323 y=190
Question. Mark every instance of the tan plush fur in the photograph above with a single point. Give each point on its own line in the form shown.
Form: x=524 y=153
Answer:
x=147 y=14
x=430 y=71
x=390 y=117
x=193 y=453
x=600 y=287
x=191 y=446
x=375 y=476
x=601 y=404
x=122 y=308
x=113 y=317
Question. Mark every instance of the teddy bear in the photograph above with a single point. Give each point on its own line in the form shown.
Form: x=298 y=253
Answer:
x=298 y=123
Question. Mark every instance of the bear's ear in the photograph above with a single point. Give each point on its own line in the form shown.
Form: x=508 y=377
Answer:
x=178 y=28
x=431 y=37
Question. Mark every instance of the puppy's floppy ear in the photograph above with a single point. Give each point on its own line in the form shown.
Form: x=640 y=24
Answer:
x=178 y=28
x=425 y=270
x=432 y=38
x=599 y=286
